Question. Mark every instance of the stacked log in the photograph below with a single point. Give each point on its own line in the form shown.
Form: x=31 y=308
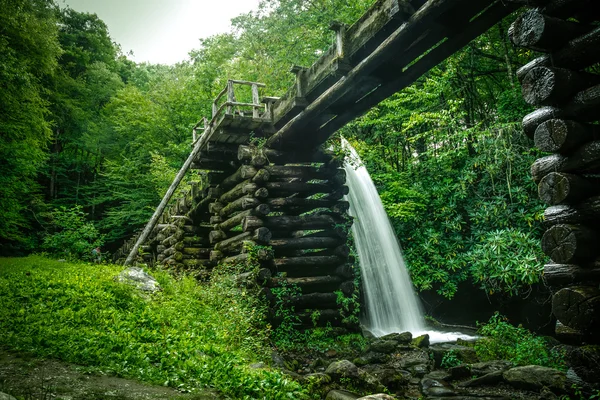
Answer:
x=565 y=124
x=309 y=268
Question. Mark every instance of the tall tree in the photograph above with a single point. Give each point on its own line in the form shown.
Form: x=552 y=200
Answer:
x=28 y=52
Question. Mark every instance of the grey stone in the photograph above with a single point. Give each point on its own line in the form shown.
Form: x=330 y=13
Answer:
x=465 y=354
x=342 y=369
x=391 y=378
x=317 y=379
x=432 y=387
x=383 y=346
x=370 y=382
x=489 y=379
x=404 y=337
x=421 y=342
x=460 y=371
x=484 y=368
x=420 y=370
x=439 y=374
x=341 y=395
x=141 y=280
x=371 y=358
x=535 y=377
x=378 y=396
x=5 y=396
x=415 y=357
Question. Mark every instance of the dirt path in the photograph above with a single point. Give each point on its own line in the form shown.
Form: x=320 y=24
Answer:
x=29 y=378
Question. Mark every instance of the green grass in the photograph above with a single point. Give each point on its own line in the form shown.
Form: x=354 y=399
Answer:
x=187 y=336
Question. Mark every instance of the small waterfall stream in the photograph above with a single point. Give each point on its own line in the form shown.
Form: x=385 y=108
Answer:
x=390 y=299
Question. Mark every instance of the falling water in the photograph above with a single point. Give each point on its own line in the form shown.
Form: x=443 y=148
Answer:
x=391 y=302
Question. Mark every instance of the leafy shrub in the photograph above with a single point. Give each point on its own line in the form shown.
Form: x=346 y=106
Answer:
x=450 y=360
x=516 y=344
x=70 y=235
x=187 y=336
x=495 y=272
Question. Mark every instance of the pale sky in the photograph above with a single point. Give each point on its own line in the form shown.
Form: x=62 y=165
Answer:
x=163 y=31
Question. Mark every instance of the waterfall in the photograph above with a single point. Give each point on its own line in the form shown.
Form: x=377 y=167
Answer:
x=390 y=299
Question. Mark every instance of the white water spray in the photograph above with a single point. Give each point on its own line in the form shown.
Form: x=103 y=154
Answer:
x=390 y=299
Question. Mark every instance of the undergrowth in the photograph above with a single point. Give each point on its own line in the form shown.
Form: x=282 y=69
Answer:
x=187 y=336
x=503 y=341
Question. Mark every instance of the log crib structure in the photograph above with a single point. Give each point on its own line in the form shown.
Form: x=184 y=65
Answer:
x=250 y=195
x=564 y=84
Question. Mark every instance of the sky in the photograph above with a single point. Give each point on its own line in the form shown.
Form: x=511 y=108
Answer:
x=163 y=31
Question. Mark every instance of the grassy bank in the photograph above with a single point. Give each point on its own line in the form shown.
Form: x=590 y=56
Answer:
x=186 y=336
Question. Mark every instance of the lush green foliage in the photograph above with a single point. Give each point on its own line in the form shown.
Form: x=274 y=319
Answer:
x=185 y=336
x=70 y=235
x=503 y=341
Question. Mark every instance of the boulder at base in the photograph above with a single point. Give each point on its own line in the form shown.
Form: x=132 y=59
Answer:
x=137 y=277
x=535 y=377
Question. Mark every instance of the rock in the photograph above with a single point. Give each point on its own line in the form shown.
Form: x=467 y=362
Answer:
x=535 y=377
x=331 y=353
x=317 y=379
x=378 y=396
x=489 y=379
x=421 y=342
x=5 y=396
x=404 y=337
x=585 y=361
x=317 y=363
x=277 y=360
x=463 y=353
x=342 y=369
x=383 y=346
x=371 y=358
x=141 y=280
x=460 y=371
x=420 y=370
x=370 y=382
x=486 y=367
x=412 y=358
x=390 y=377
x=432 y=387
x=546 y=394
x=439 y=375
x=466 y=343
x=341 y=395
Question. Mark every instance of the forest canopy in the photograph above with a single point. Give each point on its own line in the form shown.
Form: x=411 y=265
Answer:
x=90 y=140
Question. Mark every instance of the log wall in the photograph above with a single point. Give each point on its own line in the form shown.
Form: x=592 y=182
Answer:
x=289 y=202
x=564 y=85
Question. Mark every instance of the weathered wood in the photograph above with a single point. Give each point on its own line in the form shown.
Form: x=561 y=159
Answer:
x=561 y=275
x=570 y=243
x=233 y=244
x=548 y=86
x=298 y=204
x=309 y=284
x=584 y=159
x=196 y=241
x=586 y=213
x=243 y=203
x=244 y=257
x=559 y=8
x=578 y=307
x=243 y=173
x=317 y=155
x=304 y=243
x=305 y=172
x=260 y=210
x=577 y=54
x=559 y=135
x=198 y=263
x=261 y=176
x=537 y=31
x=557 y=187
x=283 y=189
x=235 y=193
x=216 y=207
x=252 y=155
x=200 y=252
x=216 y=236
x=314 y=300
x=290 y=222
